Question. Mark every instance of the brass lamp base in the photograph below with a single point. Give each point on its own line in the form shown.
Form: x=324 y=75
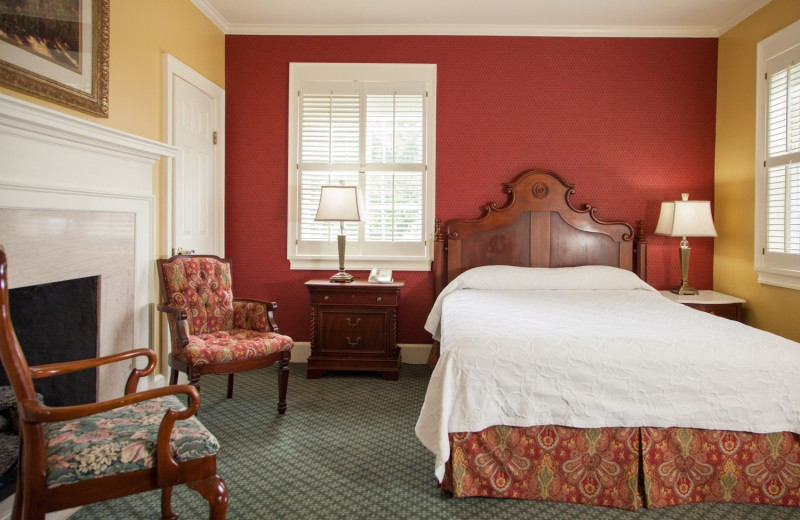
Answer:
x=684 y=290
x=342 y=277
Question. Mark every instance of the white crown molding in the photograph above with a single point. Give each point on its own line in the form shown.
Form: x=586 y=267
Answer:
x=598 y=31
x=474 y=30
x=734 y=20
x=213 y=15
x=22 y=117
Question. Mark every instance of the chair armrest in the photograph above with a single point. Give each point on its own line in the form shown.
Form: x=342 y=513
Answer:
x=177 y=324
x=251 y=321
x=54 y=369
x=33 y=411
x=180 y=314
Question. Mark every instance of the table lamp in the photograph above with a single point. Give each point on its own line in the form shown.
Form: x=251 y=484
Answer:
x=339 y=203
x=685 y=218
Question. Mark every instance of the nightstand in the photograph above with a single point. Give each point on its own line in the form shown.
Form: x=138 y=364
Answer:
x=354 y=327
x=711 y=302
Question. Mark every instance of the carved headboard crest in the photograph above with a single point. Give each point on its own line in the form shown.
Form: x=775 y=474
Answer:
x=536 y=227
x=536 y=190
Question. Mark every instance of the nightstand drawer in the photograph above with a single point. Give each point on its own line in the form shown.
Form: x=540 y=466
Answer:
x=339 y=297
x=732 y=311
x=352 y=331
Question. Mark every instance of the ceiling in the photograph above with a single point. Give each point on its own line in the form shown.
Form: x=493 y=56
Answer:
x=631 y=18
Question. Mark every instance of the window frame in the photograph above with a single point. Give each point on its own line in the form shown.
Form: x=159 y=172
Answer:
x=780 y=269
x=326 y=256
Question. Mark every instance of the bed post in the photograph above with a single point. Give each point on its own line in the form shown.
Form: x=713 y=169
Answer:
x=439 y=259
x=439 y=272
x=641 y=252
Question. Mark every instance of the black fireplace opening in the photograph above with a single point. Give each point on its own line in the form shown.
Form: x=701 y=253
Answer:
x=57 y=322
x=54 y=322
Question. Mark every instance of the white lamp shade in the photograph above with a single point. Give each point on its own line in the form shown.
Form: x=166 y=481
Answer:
x=338 y=203
x=686 y=218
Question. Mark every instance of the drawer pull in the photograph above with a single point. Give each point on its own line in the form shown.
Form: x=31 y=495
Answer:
x=379 y=299
x=358 y=320
x=353 y=343
x=326 y=297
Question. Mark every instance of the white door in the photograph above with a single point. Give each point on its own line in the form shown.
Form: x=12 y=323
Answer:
x=196 y=183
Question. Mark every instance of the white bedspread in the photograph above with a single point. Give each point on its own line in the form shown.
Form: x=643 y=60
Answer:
x=520 y=355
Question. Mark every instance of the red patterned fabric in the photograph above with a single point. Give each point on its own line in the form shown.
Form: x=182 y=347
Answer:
x=220 y=329
x=683 y=466
x=250 y=315
x=202 y=287
x=579 y=466
x=601 y=466
x=231 y=345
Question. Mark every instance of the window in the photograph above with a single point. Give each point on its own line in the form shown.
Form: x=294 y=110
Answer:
x=777 y=254
x=370 y=126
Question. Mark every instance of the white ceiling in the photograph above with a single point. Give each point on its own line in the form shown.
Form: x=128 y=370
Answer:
x=664 y=18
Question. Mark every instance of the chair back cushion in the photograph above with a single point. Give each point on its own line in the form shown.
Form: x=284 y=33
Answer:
x=201 y=286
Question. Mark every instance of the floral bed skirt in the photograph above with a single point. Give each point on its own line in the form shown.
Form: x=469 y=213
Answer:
x=625 y=468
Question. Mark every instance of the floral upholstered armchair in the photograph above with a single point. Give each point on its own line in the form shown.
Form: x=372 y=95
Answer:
x=211 y=331
x=76 y=455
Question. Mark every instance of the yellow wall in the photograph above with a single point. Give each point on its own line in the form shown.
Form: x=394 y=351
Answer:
x=141 y=30
x=770 y=308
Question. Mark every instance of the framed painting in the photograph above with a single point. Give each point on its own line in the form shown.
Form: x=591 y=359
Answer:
x=57 y=50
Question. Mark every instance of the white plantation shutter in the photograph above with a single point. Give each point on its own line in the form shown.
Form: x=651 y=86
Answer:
x=778 y=156
x=375 y=134
x=783 y=159
x=395 y=167
x=330 y=137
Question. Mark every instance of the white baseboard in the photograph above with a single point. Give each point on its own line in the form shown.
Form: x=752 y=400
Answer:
x=411 y=353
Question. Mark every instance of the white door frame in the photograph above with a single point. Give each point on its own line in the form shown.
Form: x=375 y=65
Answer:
x=172 y=69
x=175 y=68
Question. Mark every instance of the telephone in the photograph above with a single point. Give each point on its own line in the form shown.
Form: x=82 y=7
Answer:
x=378 y=275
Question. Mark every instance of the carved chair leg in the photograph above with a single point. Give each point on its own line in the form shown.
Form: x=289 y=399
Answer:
x=166 y=505
x=214 y=490
x=230 y=386
x=283 y=381
x=173 y=377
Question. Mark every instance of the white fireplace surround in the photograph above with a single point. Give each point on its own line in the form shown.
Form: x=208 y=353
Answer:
x=77 y=200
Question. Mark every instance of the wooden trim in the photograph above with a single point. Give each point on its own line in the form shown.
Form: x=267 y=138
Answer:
x=553 y=233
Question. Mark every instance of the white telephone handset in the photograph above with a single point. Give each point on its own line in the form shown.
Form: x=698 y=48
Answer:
x=378 y=275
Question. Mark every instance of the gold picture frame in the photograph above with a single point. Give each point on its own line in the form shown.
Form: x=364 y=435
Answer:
x=61 y=54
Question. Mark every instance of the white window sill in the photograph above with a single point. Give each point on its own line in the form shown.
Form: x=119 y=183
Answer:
x=324 y=264
x=789 y=280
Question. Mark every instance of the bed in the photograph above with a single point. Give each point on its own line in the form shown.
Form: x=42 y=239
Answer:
x=561 y=375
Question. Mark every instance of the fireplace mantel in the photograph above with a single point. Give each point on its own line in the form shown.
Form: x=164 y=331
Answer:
x=58 y=169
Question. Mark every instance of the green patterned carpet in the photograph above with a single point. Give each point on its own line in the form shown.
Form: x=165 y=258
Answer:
x=346 y=449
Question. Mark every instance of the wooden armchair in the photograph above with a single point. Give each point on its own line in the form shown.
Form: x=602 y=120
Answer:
x=211 y=331
x=76 y=455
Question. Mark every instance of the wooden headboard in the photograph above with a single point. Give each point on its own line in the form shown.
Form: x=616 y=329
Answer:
x=537 y=227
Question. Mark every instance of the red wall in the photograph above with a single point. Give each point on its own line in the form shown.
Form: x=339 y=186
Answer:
x=629 y=121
